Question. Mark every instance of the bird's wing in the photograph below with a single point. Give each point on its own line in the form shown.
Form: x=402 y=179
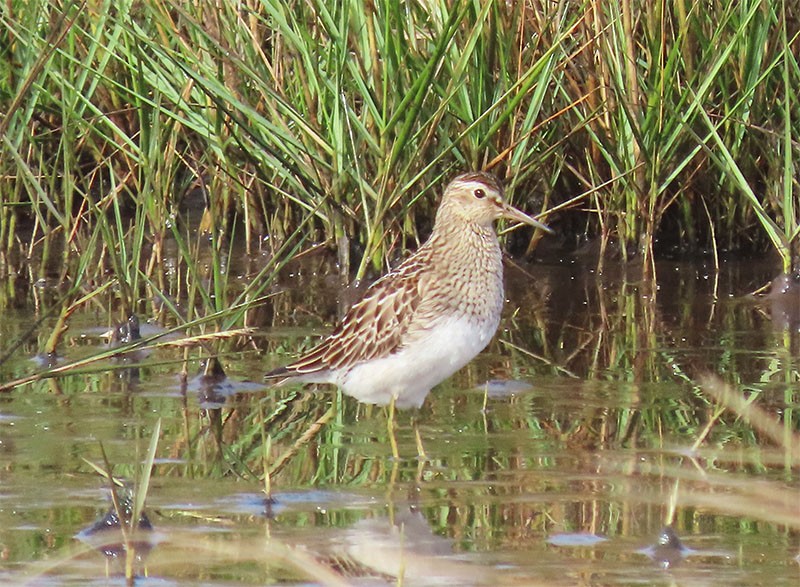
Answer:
x=372 y=328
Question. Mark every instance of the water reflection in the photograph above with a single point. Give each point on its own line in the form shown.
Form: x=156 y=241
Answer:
x=403 y=548
x=784 y=302
x=109 y=537
x=668 y=550
x=552 y=457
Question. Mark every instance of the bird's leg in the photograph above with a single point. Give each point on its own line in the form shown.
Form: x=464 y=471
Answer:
x=418 y=438
x=422 y=458
x=392 y=428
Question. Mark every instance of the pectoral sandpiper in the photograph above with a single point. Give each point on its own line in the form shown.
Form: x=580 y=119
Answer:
x=424 y=320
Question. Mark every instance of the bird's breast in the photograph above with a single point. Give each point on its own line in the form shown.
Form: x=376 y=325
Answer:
x=474 y=277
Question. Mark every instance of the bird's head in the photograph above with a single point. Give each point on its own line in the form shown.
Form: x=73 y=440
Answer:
x=477 y=197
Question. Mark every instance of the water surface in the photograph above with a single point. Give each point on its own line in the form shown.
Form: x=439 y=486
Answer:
x=557 y=457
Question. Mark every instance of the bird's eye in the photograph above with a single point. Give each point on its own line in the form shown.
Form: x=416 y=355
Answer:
x=480 y=193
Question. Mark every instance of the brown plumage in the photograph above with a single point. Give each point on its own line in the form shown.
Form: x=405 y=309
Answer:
x=427 y=318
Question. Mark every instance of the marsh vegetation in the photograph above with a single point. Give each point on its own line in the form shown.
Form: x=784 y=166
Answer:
x=223 y=170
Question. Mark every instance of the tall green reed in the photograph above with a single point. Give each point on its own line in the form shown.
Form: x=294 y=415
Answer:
x=354 y=113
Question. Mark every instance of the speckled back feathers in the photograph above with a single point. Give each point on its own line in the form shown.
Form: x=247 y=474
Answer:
x=454 y=277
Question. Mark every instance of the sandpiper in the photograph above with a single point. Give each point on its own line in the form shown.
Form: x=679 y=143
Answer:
x=424 y=320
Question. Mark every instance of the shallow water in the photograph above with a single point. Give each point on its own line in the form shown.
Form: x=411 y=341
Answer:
x=556 y=457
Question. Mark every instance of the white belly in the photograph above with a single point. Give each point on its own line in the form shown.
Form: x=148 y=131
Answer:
x=410 y=374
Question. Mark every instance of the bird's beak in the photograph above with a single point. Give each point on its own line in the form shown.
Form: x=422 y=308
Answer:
x=511 y=213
